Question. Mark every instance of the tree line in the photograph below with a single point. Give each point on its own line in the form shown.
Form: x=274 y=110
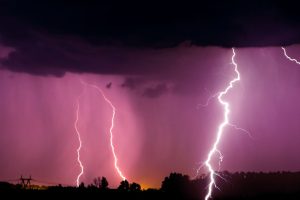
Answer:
x=239 y=185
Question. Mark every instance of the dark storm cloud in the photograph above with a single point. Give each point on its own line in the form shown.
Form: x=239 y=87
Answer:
x=108 y=85
x=163 y=24
x=156 y=91
x=54 y=37
x=132 y=83
x=145 y=86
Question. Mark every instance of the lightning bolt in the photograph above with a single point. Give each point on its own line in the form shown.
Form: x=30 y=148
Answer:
x=111 y=127
x=288 y=57
x=80 y=143
x=221 y=127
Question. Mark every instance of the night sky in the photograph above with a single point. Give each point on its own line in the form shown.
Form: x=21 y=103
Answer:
x=157 y=63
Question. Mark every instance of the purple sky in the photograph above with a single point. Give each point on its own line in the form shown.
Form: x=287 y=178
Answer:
x=159 y=127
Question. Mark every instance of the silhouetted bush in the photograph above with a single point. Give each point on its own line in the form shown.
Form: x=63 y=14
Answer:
x=124 y=186
x=134 y=187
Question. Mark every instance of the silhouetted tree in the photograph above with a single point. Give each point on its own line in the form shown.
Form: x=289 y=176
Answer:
x=100 y=183
x=97 y=182
x=81 y=186
x=124 y=185
x=134 y=187
x=104 y=183
x=176 y=184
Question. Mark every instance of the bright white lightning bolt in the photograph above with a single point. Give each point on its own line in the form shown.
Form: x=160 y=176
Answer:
x=221 y=127
x=288 y=57
x=80 y=144
x=111 y=128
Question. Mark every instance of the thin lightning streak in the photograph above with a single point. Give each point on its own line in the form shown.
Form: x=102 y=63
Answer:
x=288 y=57
x=220 y=158
x=241 y=129
x=208 y=100
x=111 y=128
x=80 y=144
x=221 y=126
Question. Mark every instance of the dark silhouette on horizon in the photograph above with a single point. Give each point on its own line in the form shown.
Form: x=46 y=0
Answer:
x=233 y=186
x=101 y=183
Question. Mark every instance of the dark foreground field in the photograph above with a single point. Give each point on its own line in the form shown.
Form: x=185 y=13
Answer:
x=147 y=195
x=237 y=186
